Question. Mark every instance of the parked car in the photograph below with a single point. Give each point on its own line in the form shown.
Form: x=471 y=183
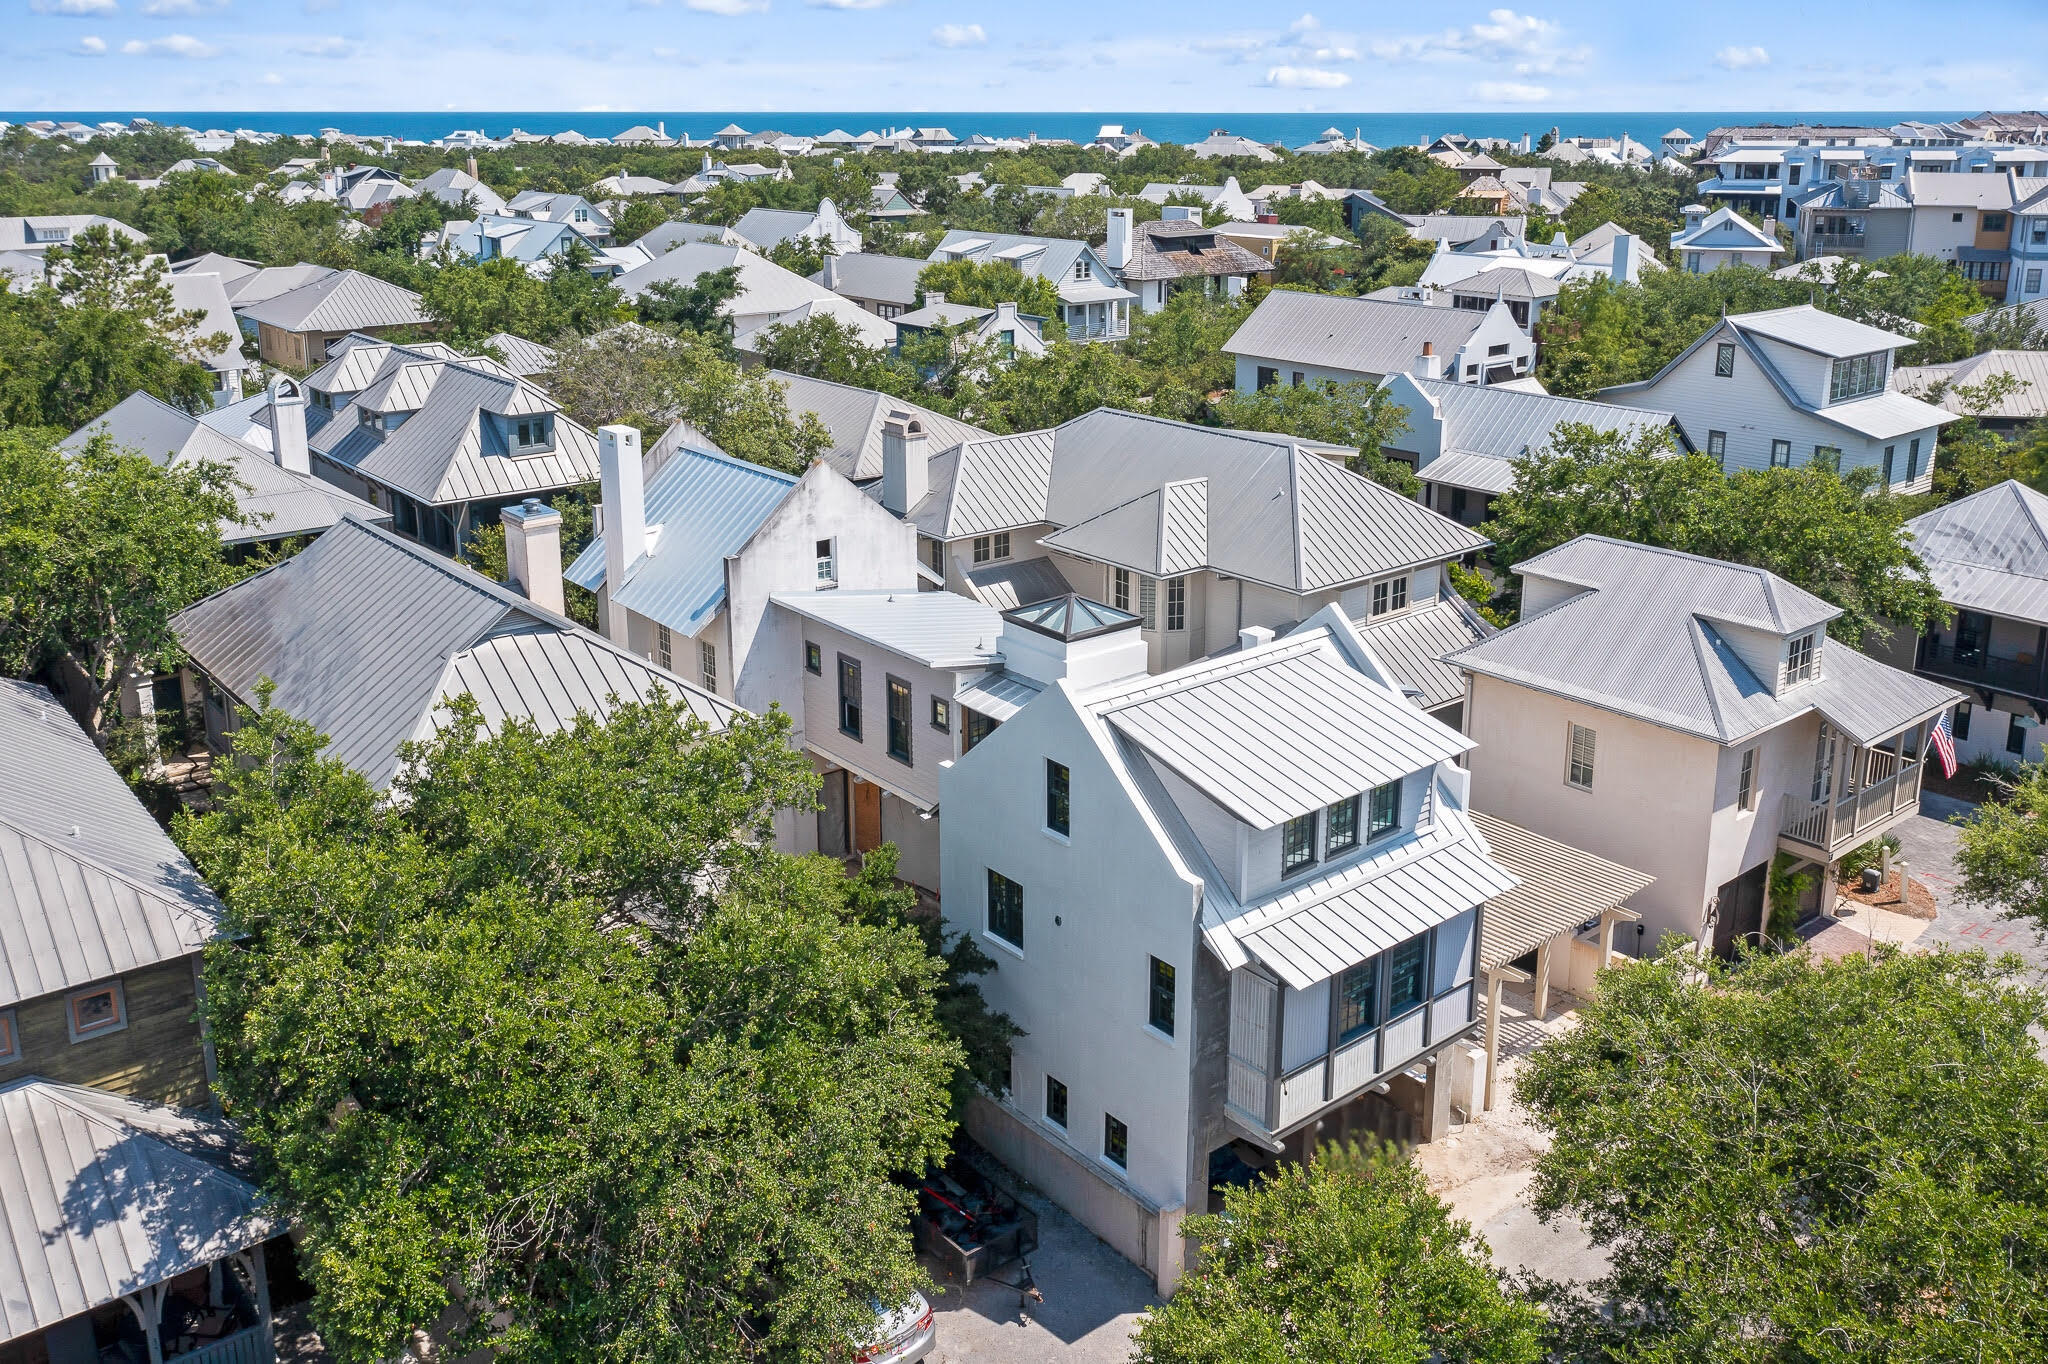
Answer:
x=901 y=1336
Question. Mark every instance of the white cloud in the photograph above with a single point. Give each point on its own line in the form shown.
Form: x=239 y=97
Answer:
x=323 y=46
x=1510 y=92
x=272 y=78
x=959 y=35
x=170 y=9
x=73 y=6
x=1531 y=45
x=846 y=4
x=1741 y=58
x=729 y=8
x=1230 y=43
x=1306 y=78
x=92 y=47
x=177 y=45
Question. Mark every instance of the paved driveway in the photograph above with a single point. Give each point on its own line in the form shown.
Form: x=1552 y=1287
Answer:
x=1928 y=841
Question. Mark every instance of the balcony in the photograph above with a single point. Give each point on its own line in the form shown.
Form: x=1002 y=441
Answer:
x=1834 y=243
x=1884 y=791
x=1974 y=665
x=1098 y=330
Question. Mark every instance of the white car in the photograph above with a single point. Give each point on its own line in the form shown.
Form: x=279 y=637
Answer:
x=902 y=1336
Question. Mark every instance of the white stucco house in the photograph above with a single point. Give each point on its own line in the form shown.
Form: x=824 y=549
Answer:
x=1724 y=237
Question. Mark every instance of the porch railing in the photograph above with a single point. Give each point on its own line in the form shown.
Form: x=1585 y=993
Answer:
x=1859 y=815
x=1096 y=331
x=253 y=1346
x=2014 y=676
x=1279 y=1103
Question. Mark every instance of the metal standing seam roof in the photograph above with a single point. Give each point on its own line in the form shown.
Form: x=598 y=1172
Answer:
x=366 y=635
x=192 y=291
x=1277 y=732
x=1823 y=333
x=1989 y=551
x=701 y=507
x=1725 y=222
x=1561 y=887
x=340 y=301
x=101 y=1196
x=1162 y=534
x=1411 y=645
x=1472 y=470
x=887 y=279
x=855 y=418
x=937 y=629
x=523 y=357
x=1643 y=641
x=2028 y=367
x=1360 y=335
x=1017 y=582
x=90 y=886
x=354 y=361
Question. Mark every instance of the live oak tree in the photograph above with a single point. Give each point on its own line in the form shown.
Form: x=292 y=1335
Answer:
x=2002 y=851
x=1355 y=413
x=1796 y=1159
x=98 y=549
x=984 y=284
x=1347 y=1260
x=550 y=1048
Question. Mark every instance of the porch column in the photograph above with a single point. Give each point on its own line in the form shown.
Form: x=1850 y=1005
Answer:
x=148 y=1306
x=1543 y=977
x=1830 y=884
x=1495 y=976
x=1609 y=917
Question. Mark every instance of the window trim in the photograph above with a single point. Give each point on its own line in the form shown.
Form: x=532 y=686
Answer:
x=1717 y=446
x=894 y=687
x=1059 y=799
x=707 y=664
x=814 y=658
x=10 y=1038
x=993 y=882
x=1724 y=360
x=1176 y=604
x=850 y=665
x=1573 y=729
x=1801 y=658
x=1120 y=588
x=1116 y=1133
x=117 y=1023
x=1781 y=454
x=1309 y=857
x=1158 y=992
x=828 y=560
x=942 y=715
x=1351 y=805
x=1066 y=1103
x=1745 y=783
x=1389 y=594
x=664 y=646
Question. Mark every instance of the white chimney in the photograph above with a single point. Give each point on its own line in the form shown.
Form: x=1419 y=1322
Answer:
x=1623 y=269
x=1117 y=250
x=1254 y=636
x=905 y=473
x=1428 y=365
x=661 y=128
x=625 y=517
x=288 y=425
x=533 y=553
x=829 y=274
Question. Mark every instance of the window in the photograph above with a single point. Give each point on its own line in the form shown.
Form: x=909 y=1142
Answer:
x=935 y=555
x=1148 y=603
x=663 y=653
x=1389 y=594
x=1827 y=456
x=1857 y=375
x=1991 y=222
x=984 y=548
x=1268 y=376
x=1781 y=454
x=1298 y=845
x=1055 y=1102
x=1889 y=451
x=942 y=715
x=1176 y=603
x=1724 y=360
x=1745 y=782
x=1002 y=539
x=1717 y=446
x=707 y=658
x=1057 y=813
x=1081 y=268
x=828 y=568
x=1799 y=659
x=1342 y=821
x=1120 y=588
x=1386 y=810
x=2015 y=736
x=2034 y=276
x=1955 y=217
x=814 y=659
x=1912 y=460
x=1159 y=996
x=534 y=433
x=974 y=727
x=10 y=1040
x=1579 y=760
x=897 y=705
x=99 y=1009
x=885 y=311
x=1116 y=1142
x=849 y=696
x=1006 y=912
x=1962 y=721
x=1408 y=976
x=1297 y=378
x=1358 y=992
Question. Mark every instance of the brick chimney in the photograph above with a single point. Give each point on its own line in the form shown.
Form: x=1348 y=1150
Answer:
x=533 y=553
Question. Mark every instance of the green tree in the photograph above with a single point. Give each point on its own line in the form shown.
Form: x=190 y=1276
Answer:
x=1071 y=378
x=983 y=284
x=1355 y=414
x=1349 y=1259
x=98 y=549
x=2002 y=851
x=552 y=1046
x=475 y=300
x=642 y=214
x=1803 y=1159
x=824 y=347
x=697 y=306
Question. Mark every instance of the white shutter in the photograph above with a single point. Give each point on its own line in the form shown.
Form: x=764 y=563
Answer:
x=1148 y=603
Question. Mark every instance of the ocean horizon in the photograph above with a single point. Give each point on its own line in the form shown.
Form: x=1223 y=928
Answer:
x=1381 y=129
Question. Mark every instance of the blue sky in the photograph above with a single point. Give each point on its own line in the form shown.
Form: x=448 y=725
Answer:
x=1054 y=54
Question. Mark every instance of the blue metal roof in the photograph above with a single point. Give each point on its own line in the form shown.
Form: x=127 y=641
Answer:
x=706 y=506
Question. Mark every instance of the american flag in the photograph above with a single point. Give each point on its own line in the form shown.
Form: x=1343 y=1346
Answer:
x=1945 y=743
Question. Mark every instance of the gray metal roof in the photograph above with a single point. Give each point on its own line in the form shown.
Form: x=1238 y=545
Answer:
x=90 y=886
x=273 y=502
x=1412 y=645
x=770 y=227
x=1361 y=335
x=1276 y=732
x=1808 y=328
x=366 y=634
x=1989 y=551
x=1467 y=469
x=1017 y=582
x=104 y=1196
x=1505 y=423
x=937 y=629
x=998 y=695
x=340 y=301
x=1508 y=281
x=1561 y=887
x=1645 y=641
x=194 y=291
x=272 y=281
x=855 y=417
x=523 y=357
x=886 y=279
x=701 y=507
x=2029 y=368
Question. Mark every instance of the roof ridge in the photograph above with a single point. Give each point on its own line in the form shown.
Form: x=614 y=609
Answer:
x=59 y=1091
x=84 y=859
x=1202 y=671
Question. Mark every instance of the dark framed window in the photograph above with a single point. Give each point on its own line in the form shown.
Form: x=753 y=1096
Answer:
x=1342 y=826
x=828 y=562
x=1005 y=909
x=1120 y=588
x=982 y=549
x=1717 y=446
x=1889 y=451
x=1055 y=1102
x=1408 y=976
x=1385 y=815
x=1298 y=845
x=942 y=715
x=849 y=696
x=935 y=555
x=1116 y=1142
x=1724 y=360
x=1058 y=814
x=1745 y=782
x=1962 y=721
x=974 y=727
x=1268 y=375
x=1002 y=544
x=898 y=698
x=1159 y=984
x=1358 y=993
x=814 y=659
x=10 y=1039
x=1912 y=459
x=1781 y=454
x=2015 y=736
